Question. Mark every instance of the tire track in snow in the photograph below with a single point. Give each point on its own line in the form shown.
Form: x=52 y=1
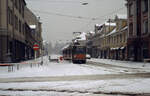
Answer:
x=76 y=78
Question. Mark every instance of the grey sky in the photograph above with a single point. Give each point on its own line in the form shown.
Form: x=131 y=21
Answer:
x=60 y=26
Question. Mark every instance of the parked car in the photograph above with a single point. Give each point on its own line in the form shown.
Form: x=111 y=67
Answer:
x=54 y=58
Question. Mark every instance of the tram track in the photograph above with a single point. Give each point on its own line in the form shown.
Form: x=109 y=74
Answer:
x=77 y=77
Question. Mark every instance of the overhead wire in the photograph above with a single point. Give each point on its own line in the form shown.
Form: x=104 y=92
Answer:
x=64 y=15
x=80 y=17
x=90 y=19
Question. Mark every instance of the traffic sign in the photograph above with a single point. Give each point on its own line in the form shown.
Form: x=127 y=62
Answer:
x=36 y=47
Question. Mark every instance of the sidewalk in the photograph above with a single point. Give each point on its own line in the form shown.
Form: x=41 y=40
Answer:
x=130 y=64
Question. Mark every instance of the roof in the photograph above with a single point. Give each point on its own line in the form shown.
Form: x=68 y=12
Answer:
x=91 y=32
x=126 y=27
x=82 y=36
x=66 y=46
x=121 y=16
x=110 y=24
x=98 y=25
x=32 y=26
x=114 y=31
x=24 y=2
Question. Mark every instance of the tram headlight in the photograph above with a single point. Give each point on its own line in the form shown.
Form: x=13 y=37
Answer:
x=75 y=56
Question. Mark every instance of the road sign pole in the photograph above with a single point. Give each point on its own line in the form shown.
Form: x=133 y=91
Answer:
x=36 y=48
x=35 y=56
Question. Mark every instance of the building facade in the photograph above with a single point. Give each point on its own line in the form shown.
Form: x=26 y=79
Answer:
x=118 y=39
x=35 y=26
x=13 y=31
x=139 y=29
x=104 y=40
x=110 y=39
x=12 y=34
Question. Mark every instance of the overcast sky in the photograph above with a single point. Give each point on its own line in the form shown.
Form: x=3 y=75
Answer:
x=61 y=18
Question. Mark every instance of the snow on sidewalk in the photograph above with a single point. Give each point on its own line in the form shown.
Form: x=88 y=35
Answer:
x=128 y=86
x=55 y=69
x=130 y=64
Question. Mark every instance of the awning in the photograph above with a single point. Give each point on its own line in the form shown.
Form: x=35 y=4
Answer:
x=116 y=48
x=122 y=48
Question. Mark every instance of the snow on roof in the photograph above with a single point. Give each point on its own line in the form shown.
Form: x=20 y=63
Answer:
x=110 y=24
x=121 y=16
x=112 y=32
x=32 y=26
x=82 y=36
x=98 y=25
x=66 y=46
x=126 y=27
x=103 y=35
x=91 y=32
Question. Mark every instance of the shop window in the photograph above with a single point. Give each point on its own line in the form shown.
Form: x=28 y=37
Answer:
x=131 y=52
x=145 y=51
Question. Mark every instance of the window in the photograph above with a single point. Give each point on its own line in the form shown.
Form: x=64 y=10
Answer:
x=16 y=3
x=19 y=26
x=120 y=38
x=125 y=37
x=114 y=40
x=20 y=6
x=145 y=27
x=131 y=30
x=9 y=16
x=16 y=22
x=145 y=50
x=23 y=10
x=23 y=29
x=144 y=6
x=131 y=10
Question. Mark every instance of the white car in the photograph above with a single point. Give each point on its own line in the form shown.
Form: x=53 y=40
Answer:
x=54 y=58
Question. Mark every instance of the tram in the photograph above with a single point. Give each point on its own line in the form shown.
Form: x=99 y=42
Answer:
x=76 y=53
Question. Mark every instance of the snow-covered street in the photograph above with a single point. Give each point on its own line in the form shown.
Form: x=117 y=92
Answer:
x=96 y=78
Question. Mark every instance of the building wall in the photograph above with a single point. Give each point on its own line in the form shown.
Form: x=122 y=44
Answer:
x=32 y=19
x=3 y=30
x=149 y=15
x=138 y=42
x=12 y=31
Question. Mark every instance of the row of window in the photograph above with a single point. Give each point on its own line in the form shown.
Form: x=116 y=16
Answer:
x=19 y=5
x=144 y=25
x=144 y=28
x=120 y=38
x=144 y=7
x=15 y=22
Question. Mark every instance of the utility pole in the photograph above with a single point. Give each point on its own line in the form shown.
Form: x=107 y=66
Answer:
x=137 y=46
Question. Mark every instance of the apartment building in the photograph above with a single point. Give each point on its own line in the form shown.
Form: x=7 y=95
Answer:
x=117 y=39
x=33 y=22
x=104 y=40
x=12 y=34
x=109 y=40
x=15 y=32
x=139 y=29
